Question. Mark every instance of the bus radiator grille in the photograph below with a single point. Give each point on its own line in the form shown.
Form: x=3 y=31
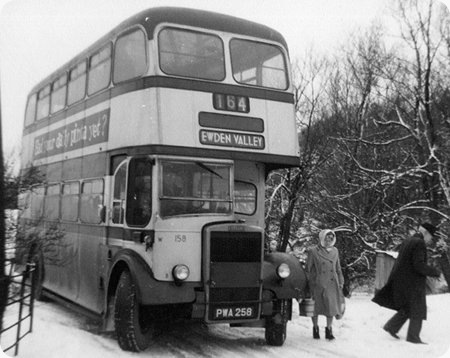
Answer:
x=236 y=246
x=241 y=294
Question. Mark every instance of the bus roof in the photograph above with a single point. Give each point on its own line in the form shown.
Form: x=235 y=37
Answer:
x=152 y=17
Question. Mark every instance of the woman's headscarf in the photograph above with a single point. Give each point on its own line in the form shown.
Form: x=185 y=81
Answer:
x=323 y=234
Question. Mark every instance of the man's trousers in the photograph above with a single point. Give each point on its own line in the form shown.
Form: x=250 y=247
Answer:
x=398 y=320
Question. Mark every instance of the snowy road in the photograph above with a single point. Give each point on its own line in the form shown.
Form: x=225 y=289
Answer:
x=60 y=333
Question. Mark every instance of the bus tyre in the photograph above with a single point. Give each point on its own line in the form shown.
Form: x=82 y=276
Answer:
x=276 y=324
x=132 y=334
x=37 y=276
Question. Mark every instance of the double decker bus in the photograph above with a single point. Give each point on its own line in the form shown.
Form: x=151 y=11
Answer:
x=155 y=144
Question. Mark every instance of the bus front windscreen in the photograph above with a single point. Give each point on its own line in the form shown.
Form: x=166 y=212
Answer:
x=191 y=54
x=195 y=188
x=258 y=64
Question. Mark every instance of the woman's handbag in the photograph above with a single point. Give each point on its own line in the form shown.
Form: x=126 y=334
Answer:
x=306 y=307
x=340 y=315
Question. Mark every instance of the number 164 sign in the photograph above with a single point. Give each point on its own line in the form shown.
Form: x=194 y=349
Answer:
x=228 y=102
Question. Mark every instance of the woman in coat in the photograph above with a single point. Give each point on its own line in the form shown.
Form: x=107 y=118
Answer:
x=325 y=281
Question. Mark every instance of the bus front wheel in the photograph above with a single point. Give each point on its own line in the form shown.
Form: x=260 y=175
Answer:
x=276 y=324
x=133 y=332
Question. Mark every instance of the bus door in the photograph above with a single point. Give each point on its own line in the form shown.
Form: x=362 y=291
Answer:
x=130 y=204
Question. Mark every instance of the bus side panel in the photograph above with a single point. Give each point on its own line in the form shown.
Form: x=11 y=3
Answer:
x=138 y=108
x=174 y=246
x=90 y=239
x=51 y=275
x=281 y=129
x=26 y=154
x=61 y=260
x=179 y=115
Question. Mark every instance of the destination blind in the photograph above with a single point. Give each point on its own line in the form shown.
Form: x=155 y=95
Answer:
x=232 y=139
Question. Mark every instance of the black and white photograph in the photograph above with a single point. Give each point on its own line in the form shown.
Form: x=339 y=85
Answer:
x=205 y=178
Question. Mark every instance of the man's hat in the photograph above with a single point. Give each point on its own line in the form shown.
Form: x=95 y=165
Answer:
x=429 y=227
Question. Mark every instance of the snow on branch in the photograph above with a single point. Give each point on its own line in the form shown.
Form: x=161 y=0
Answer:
x=385 y=143
x=414 y=206
x=390 y=176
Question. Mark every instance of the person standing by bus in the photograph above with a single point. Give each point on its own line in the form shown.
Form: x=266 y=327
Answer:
x=405 y=289
x=325 y=281
x=273 y=245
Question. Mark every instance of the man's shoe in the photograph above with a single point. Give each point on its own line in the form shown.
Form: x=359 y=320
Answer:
x=416 y=341
x=392 y=333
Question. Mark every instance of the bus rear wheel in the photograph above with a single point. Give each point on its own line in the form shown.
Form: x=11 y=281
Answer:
x=133 y=332
x=37 y=275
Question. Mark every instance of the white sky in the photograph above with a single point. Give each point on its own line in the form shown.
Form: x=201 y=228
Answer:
x=36 y=37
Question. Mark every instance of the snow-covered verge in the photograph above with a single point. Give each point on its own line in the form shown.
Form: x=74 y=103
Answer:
x=61 y=333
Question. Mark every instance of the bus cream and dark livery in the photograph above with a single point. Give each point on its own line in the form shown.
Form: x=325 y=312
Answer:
x=155 y=144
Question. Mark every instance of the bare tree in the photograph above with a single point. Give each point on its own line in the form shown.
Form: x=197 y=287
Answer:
x=343 y=196
x=287 y=186
x=406 y=129
x=375 y=139
x=416 y=90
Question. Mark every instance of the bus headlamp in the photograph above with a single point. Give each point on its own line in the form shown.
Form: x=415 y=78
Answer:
x=283 y=271
x=180 y=272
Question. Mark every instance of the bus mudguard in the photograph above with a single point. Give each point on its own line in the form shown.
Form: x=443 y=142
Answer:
x=150 y=291
x=293 y=286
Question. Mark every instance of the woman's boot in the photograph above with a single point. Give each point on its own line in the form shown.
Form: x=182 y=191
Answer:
x=316 y=334
x=329 y=333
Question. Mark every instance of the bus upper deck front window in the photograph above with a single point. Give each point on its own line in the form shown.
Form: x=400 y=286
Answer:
x=191 y=54
x=195 y=188
x=258 y=64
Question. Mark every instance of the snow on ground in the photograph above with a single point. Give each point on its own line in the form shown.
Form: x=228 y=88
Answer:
x=61 y=333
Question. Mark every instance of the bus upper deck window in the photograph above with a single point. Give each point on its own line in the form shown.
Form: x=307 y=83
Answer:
x=58 y=96
x=191 y=54
x=99 y=73
x=43 y=103
x=30 y=112
x=130 y=58
x=258 y=64
x=77 y=83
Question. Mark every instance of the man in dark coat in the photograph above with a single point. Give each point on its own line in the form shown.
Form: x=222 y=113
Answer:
x=405 y=289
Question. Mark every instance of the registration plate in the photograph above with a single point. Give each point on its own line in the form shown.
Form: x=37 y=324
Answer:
x=234 y=313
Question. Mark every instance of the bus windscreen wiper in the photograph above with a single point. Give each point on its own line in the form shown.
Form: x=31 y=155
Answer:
x=203 y=166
